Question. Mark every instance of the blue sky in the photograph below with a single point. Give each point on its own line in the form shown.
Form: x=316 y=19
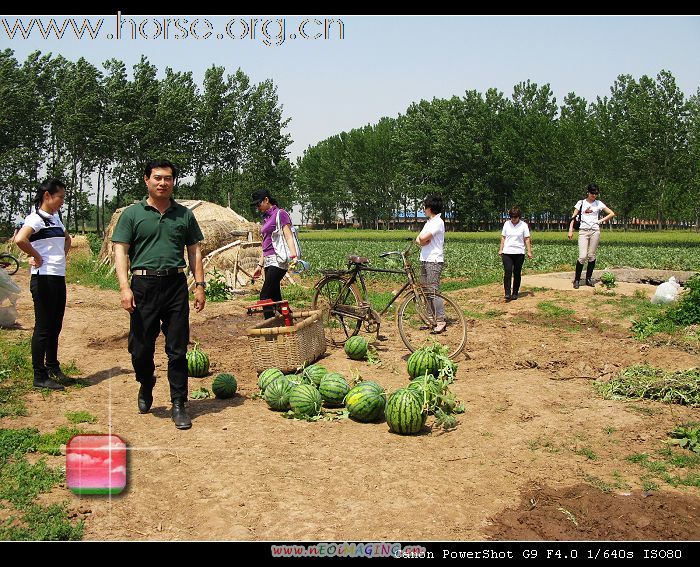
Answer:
x=383 y=64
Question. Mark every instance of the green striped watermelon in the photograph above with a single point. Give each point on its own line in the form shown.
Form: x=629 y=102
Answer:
x=277 y=393
x=356 y=347
x=224 y=386
x=314 y=373
x=366 y=401
x=197 y=362
x=267 y=376
x=333 y=388
x=305 y=399
x=422 y=362
x=404 y=412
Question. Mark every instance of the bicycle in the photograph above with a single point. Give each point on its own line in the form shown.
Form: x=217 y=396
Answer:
x=345 y=307
x=9 y=263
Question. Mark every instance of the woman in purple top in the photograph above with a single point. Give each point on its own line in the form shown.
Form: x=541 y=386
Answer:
x=274 y=262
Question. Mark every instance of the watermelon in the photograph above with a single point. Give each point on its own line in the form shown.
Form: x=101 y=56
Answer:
x=404 y=412
x=356 y=348
x=197 y=362
x=422 y=362
x=277 y=393
x=305 y=400
x=267 y=376
x=366 y=401
x=314 y=373
x=224 y=386
x=333 y=388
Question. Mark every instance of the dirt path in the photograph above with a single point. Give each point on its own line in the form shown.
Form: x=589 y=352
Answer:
x=245 y=473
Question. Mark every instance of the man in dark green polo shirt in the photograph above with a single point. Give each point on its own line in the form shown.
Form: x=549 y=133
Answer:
x=151 y=237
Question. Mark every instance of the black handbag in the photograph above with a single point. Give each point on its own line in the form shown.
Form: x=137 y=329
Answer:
x=577 y=218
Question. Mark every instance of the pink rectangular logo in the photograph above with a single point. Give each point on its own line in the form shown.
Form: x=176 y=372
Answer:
x=96 y=464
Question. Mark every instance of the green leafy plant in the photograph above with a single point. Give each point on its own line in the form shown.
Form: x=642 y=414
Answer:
x=200 y=394
x=217 y=288
x=687 y=436
x=608 y=280
x=80 y=417
x=644 y=381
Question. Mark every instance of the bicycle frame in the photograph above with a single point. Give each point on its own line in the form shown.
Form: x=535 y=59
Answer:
x=355 y=273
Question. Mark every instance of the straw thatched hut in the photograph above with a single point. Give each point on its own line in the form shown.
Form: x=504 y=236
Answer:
x=220 y=226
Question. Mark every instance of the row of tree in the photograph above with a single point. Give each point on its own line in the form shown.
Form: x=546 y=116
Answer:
x=97 y=128
x=485 y=153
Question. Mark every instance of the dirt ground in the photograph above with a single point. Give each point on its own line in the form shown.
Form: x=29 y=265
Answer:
x=515 y=461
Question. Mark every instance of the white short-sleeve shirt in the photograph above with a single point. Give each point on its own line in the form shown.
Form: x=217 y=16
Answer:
x=49 y=240
x=590 y=213
x=434 y=250
x=515 y=235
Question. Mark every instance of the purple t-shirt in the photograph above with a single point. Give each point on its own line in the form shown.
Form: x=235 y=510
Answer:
x=269 y=225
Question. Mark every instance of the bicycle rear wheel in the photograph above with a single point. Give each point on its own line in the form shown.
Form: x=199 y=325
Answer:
x=416 y=322
x=9 y=263
x=332 y=291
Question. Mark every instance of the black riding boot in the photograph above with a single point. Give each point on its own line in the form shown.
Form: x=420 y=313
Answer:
x=589 y=273
x=577 y=277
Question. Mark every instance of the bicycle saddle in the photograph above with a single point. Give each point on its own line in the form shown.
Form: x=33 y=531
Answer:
x=358 y=259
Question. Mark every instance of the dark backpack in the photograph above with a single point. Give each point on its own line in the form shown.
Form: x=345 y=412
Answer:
x=577 y=218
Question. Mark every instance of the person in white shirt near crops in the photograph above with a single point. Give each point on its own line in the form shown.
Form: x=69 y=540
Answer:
x=589 y=232
x=515 y=238
x=432 y=242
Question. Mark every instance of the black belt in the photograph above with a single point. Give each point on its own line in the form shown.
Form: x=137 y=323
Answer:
x=160 y=273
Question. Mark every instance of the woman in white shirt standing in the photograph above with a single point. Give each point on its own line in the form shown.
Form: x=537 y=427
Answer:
x=589 y=232
x=45 y=240
x=515 y=237
x=432 y=242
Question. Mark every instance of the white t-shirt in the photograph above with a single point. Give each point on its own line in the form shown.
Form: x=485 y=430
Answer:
x=515 y=237
x=433 y=251
x=589 y=213
x=49 y=240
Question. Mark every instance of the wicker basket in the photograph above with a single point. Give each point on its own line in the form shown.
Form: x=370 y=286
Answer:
x=287 y=348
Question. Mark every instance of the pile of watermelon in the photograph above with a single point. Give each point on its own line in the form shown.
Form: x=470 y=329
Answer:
x=431 y=372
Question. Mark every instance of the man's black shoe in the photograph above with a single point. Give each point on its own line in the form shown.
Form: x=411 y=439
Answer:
x=47 y=383
x=576 y=284
x=57 y=375
x=589 y=282
x=508 y=297
x=145 y=397
x=514 y=296
x=180 y=417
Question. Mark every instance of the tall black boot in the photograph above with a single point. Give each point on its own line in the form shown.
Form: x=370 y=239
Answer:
x=577 y=277
x=589 y=273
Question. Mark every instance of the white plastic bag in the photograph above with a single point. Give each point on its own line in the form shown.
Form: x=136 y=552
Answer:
x=667 y=292
x=9 y=291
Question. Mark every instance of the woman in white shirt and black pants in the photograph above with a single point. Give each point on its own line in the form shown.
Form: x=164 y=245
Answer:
x=45 y=240
x=515 y=237
x=589 y=232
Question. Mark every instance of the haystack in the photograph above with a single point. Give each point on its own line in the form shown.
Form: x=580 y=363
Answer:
x=220 y=225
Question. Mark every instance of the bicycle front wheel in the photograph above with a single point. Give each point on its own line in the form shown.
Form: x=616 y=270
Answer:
x=416 y=322
x=331 y=292
x=9 y=263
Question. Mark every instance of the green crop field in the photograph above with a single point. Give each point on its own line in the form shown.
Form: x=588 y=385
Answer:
x=474 y=256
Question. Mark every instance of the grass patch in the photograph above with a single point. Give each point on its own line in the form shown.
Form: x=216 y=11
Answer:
x=489 y=314
x=643 y=381
x=609 y=430
x=16 y=373
x=553 y=310
x=542 y=443
x=85 y=269
x=454 y=285
x=22 y=482
x=299 y=297
x=587 y=452
x=80 y=417
x=379 y=299
x=676 y=468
